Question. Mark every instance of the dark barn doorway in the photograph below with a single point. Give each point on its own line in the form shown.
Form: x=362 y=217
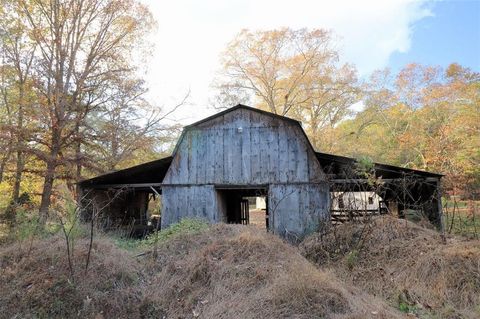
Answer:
x=237 y=205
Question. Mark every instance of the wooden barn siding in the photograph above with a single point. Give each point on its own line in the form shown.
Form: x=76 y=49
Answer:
x=298 y=209
x=188 y=201
x=267 y=150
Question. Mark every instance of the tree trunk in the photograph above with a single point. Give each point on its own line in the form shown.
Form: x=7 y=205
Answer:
x=49 y=177
x=4 y=162
x=78 y=164
x=20 y=156
x=78 y=155
x=18 y=176
x=47 y=189
x=314 y=139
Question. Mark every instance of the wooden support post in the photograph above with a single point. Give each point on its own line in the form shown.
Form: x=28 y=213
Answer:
x=393 y=208
x=441 y=221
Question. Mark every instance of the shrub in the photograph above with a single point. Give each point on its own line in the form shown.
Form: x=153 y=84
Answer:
x=352 y=258
x=28 y=225
x=186 y=226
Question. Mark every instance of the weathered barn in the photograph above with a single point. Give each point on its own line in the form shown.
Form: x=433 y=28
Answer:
x=244 y=152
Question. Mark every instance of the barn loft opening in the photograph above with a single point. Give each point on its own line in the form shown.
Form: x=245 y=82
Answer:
x=243 y=205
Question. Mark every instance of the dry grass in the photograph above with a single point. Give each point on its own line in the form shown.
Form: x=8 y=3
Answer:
x=4 y=231
x=225 y=271
x=38 y=284
x=241 y=272
x=404 y=263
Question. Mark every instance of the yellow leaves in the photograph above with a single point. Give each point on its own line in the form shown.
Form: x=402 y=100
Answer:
x=422 y=118
x=293 y=73
x=278 y=66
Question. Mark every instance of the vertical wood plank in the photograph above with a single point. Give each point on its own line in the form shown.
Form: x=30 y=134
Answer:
x=255 y=150
x=292 y=156
x=264 y=154
x=219 y=156
x=246 y=156
x=273 y=170
x=184 y=155
x=302 y=159
x=283 y=154
x=209 y=156
x=201 y=147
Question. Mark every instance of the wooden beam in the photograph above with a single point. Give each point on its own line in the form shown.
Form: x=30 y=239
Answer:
x=139 y=185
x=387 y=180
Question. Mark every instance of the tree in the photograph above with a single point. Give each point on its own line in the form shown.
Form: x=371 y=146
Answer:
x=6 y=119
x=126 y=123
x=424 y=117
x=328 y=97
x=82 y=45
x=289 y=72
x=17 y=53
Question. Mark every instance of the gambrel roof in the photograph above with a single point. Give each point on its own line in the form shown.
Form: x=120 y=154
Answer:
x=244 y=107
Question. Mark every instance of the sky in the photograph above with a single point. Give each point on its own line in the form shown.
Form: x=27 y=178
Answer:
x=371 y=34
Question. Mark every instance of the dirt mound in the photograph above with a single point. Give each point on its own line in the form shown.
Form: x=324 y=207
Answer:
x=241 y=272
x=225 y=271
x=404 y=263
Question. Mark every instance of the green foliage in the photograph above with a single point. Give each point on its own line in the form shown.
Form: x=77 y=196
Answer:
x=365 y=163
x=186 y=226
x=28 y=225
x=127 y=243
x=406 y=308
x=414 y=215
x=450 y=204
x=67 y=211
x=5 y=195
x=462 y=217
x=405 y=304
x=364 y=166
x=463 y=225
x=352 y=258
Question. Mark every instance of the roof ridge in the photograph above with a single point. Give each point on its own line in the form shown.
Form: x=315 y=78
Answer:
x=242 y=106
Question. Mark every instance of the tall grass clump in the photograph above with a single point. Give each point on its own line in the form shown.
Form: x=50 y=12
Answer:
x=186 y=226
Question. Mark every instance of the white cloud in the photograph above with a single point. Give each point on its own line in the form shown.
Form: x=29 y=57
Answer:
x=191 y=35
x=358 y=106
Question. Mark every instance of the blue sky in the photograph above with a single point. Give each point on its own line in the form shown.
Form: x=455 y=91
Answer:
x=450 y=34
